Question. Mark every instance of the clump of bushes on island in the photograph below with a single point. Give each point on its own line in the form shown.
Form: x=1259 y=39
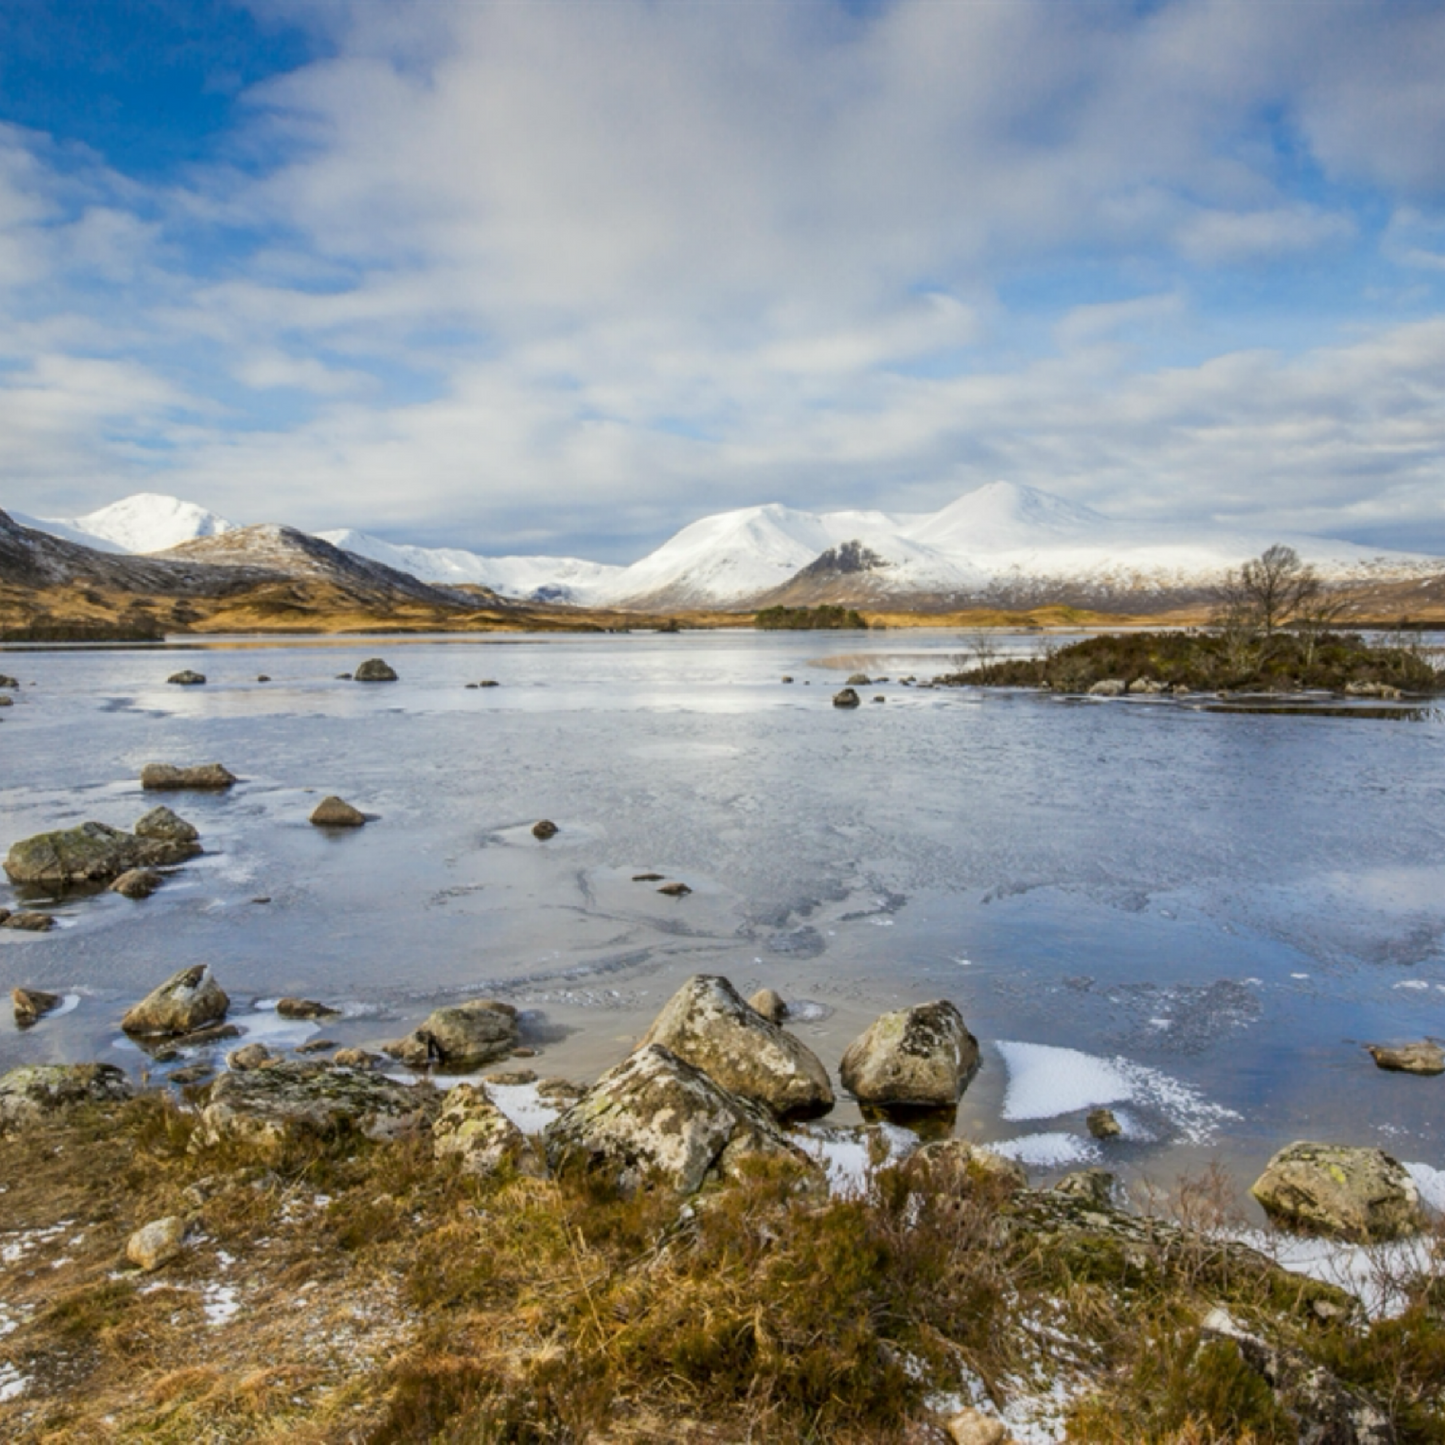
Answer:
x=1276 y=627
x=829 y=617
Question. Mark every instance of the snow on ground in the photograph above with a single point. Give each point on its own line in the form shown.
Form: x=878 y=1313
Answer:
x=1431 y=1184
x=1045 y=1081
x=845 y=1153
x=1376 y=1274
x=12 y=1383
x=221 y=1303
x=523 y=1105
x=144 y=522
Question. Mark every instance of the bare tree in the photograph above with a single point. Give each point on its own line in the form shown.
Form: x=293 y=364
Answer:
x=1318 y=615
x=1266 y=593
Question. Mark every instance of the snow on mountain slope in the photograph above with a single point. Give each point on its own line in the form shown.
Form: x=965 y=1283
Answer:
x=539 y=579
x=144 y=522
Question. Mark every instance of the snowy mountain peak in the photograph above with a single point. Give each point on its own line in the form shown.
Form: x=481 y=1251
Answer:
x=144 y=522
x=1003 y=516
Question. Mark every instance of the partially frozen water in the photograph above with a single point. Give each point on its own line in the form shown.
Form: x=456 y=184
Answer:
x=1198 y=917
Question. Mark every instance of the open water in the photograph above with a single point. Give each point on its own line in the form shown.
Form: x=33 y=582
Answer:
x=1199 y=917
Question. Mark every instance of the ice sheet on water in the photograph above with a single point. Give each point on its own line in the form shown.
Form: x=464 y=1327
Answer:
x=1045 y=1081
x=1052 y=1150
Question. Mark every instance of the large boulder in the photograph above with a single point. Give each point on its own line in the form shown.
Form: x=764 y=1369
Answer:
x=1339 y=1190
x=920 y=1057
x=188 y=1000
x=161 y=822
x=166 y=777
x=29 y=1093
x=374 y=670
x=472 y=1129
x=655 y=1117
x=460 y=1036
x=267 y=1107
x=707 y=1024
x=91 y=853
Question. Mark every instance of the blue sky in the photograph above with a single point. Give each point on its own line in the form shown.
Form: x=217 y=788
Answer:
x=565 y=276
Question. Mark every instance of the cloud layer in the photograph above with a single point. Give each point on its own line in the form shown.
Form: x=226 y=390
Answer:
x=567 y=276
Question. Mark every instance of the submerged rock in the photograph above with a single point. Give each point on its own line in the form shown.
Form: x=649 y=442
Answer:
x=137 y=883
x=289 y=1099
x=32 y=1003
x=1421 y=1058
x=161 y=822
x=29 y=921
x=90 y=853
x=1339 y=1190
x=707 y=1024
x=156 y=1243
x=846 y=698
x=164 y=777
x=29 y=1093
x=471 y=1128
x=304 y=1008
x=460 y=1036
x=544 y=829
x=187 y=678
x=920 y=1057
x=656 y=1117
x=332 y=812
x=374 y=670
x=186 y=1001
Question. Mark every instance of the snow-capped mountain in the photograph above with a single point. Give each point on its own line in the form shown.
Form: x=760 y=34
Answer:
x=539 y=579
x=144 y=522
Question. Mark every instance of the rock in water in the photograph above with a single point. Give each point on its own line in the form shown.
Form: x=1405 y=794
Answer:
x=859 y=679
x=333 y=813
x=656 y=1116
x=29 y=921
x=1421 y=1058
x=544 y=829
x=460 y=1036
x=917 y=1057
x=1339 y=1190
x=706 y=1024
x=187 y=678
x=1109 y=687
x=1102 y=1124
x=91 y=853
x=188 y=1000
x=137 y=883
x=675 y=890
x=772 y=1006
x=470 y=1127
x=162 y=777
x=249 y=1056
x=29 y=1093
x=266 y=1107
x=303 y=1008
x=160 y=822
x=156 y=1243
x=32 y=1003
x=374 y=670
x=846 y=698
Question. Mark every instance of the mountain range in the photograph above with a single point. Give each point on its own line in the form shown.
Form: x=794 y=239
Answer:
x=1000 y=545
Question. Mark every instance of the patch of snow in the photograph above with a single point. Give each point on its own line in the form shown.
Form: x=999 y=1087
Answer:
x=144 y=522
x=1415 y=983
x=1431 y=1184
x=266 y=1026
x=1374 y=1273
x=1045 y=1081
x=221 y=1303
x=12 y=1383
x=523 y=1105
x=1048 y=1151
x=845 y=1156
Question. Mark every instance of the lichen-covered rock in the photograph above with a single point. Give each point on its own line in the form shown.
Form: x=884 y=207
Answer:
x=709 y=1026
x=137 y=883
x=374 y=670
x=920 y=1057
x=460 y=1036
x=471 y=1128
x=187 y=677
x=333 y=812
x=90 y=853
x=1339 y=1190
x=1109 y=687
x=351 y=1058
x=188 y=1000
x=772 y=1006
x=1094 y=1187
x=166 y=777
x=161 y=822
x=1327 y=1411
x=955 y=1165
x=266 y=1107
x=973 y=1427
x=249 y=1056
x=156 y=1243
x=656 y=1117
x=32 y=1003
x=32 y=1091
x=1421 y=1058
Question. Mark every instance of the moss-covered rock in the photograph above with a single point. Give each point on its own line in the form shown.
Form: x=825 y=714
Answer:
x=90 y=853
x=1340 y=1190
x=29 y=1093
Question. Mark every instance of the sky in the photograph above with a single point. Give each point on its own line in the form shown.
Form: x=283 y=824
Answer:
x=564 y=275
